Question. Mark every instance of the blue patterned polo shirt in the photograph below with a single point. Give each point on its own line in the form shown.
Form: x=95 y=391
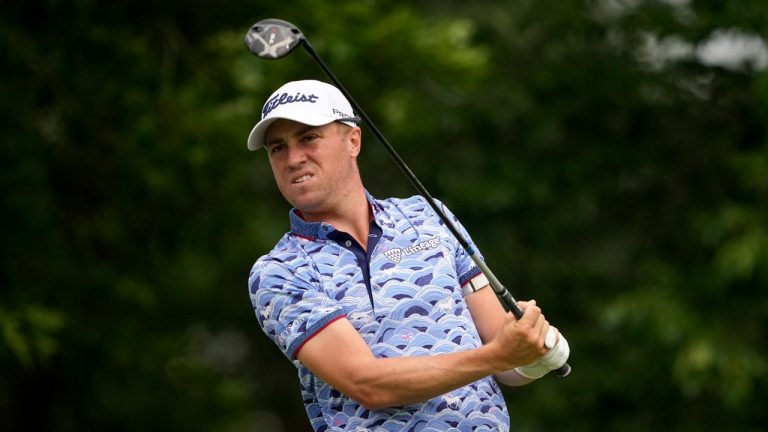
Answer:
x=403 y=296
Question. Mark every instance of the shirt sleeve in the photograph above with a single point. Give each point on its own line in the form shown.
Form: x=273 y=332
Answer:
x=465 y=266
x=289 y=308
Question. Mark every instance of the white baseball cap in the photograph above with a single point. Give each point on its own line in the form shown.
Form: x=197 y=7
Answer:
x=310 y=102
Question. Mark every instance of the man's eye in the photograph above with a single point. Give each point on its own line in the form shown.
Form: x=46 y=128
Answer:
x=309 y=137
x=275 y=148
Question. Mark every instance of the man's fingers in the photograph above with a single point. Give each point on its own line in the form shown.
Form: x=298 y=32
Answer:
x=543 y=328
x=522 y=304
x=545 y=335
x=531 y=314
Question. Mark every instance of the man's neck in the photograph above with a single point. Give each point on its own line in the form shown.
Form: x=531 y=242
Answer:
x=356 y=219
x=352 y=216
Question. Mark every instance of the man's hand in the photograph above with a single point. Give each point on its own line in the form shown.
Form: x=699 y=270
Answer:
x=521 y=342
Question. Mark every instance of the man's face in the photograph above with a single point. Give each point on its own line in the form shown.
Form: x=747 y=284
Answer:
x=314 y=166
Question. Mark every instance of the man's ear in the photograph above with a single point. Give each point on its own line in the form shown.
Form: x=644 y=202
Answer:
x=355 y=139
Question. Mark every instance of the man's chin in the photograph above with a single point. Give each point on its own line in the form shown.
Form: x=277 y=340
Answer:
x=306 y=204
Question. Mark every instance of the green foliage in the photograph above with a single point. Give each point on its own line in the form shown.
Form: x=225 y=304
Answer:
x=600 y=164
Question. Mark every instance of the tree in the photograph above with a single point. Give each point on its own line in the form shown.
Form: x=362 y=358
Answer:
x=601 y=156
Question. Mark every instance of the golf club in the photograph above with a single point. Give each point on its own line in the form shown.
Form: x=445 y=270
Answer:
x=274 y=39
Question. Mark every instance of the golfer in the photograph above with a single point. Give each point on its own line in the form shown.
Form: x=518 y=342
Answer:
x=388 y=321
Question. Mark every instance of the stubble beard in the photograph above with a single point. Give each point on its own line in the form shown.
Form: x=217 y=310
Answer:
x=327 y=197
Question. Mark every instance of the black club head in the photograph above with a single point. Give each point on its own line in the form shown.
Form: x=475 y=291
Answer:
x=273 y=38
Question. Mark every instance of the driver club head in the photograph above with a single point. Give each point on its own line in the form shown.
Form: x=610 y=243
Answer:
x=273 y=38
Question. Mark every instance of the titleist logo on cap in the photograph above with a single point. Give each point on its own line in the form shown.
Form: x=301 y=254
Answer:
x=285 y=98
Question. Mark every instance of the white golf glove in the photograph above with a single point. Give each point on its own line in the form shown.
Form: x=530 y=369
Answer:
x=553 y=359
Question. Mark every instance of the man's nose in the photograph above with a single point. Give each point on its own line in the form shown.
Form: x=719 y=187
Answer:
x=296 y=155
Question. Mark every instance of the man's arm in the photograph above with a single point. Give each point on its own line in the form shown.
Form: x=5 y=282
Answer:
x=340 y=357
x=489 y=315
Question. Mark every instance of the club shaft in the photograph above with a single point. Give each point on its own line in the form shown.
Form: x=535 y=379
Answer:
x=509 y=303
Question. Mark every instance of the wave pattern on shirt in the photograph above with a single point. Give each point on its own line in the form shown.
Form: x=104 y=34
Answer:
x=415 y=308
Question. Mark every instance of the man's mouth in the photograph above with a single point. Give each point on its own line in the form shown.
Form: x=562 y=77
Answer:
x=302 y=179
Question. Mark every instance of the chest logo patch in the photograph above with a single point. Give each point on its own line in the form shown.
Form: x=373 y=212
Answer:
x=396 y=255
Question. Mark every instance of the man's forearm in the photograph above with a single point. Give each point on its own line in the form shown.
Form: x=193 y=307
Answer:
x=340 y=357
x=400 y=381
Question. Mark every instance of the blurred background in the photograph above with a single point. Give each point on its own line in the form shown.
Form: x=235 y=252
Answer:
x=608 y=157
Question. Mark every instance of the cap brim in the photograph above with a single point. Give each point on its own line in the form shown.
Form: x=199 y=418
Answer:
x=257 y=135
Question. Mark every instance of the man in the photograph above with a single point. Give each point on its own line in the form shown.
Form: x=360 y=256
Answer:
x=390 y=324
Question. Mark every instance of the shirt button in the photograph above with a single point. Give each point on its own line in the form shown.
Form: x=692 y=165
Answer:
x=348 y=243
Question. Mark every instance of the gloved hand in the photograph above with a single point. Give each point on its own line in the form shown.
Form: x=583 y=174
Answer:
x=553 y=359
